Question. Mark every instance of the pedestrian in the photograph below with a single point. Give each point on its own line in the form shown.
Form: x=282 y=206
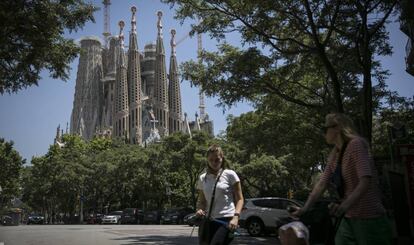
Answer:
x=220 y=200
x=351 y=172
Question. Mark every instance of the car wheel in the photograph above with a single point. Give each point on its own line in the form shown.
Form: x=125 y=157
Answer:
x=119 y=222
x=255 y=227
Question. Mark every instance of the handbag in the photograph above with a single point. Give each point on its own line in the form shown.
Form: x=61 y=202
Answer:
x=205 y=223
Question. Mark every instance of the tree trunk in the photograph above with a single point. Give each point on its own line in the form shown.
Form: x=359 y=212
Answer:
x=366 y=59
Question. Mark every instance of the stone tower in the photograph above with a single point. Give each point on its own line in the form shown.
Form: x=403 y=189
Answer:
x=134 y=84
x=128 y=95
x=161 y=83
x=121 y=119
x=174 y=94
x=86 y=112
x=109 y=60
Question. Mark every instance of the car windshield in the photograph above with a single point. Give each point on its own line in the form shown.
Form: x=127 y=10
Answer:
x=115 y=213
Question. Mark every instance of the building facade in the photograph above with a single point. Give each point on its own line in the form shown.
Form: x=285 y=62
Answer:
x=128 y=94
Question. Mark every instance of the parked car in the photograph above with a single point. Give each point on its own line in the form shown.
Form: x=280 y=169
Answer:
x=94 y=218
x=132 y=216
x=175 y=215
x=112 y=218
x=190 y=219
x=152 y=217
x=265 y=214
x=6 y=220
x=35 y=219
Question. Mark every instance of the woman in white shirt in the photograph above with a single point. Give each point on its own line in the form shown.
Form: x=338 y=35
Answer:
x=228 y=197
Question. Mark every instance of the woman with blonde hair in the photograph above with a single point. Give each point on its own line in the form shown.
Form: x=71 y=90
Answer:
x=352 y=173
x=220 y=199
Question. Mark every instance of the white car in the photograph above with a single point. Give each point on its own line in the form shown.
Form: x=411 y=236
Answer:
x=265 y=214
x=112 y=218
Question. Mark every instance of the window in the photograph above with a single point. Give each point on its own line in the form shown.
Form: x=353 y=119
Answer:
x=119 y=127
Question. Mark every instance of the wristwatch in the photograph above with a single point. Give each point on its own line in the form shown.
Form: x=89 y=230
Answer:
x=236 y=214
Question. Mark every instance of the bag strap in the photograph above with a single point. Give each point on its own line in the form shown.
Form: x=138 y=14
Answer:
x=213 y=195
x=341 y=154
x=338 y=171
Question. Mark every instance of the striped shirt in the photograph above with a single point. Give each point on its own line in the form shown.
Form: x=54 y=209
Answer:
x=357 y=162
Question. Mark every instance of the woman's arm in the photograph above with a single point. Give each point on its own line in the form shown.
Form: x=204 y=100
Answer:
x=239 y=201
x=201 y=204
x=316 y=193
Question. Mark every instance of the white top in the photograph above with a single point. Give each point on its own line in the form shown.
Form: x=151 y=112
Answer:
x=223 y=201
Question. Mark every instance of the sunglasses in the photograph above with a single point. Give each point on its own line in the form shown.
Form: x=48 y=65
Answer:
x=325 y=128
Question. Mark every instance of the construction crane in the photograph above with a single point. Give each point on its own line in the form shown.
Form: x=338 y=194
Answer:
x=107 y=31
x=202 y=105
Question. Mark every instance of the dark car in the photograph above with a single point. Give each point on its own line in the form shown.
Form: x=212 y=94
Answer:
x=152 y=217
x=35 y=219
x=175 y=215
x=132 y=216
x=6 y=220
x=94 y=218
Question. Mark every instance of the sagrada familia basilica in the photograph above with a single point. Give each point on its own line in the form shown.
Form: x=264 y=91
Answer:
x=129 y=94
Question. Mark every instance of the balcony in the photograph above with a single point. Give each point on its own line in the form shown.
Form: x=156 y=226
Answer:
x=409 y=59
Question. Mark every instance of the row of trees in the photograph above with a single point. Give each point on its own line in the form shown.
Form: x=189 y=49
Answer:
x=109 y=173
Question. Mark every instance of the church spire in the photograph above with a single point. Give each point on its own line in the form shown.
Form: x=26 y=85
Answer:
x=121 y=24
x=159 y=24
x=172 y=42
x=174 y=94
x=134 y=84
x=133 y=20
x=121 y=90
x=161 y=82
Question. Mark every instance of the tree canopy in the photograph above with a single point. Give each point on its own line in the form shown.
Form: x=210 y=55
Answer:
x=32 y=39
x=317 y=54
x=11 y=164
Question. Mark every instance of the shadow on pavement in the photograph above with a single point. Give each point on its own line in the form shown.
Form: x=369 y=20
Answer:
x=185 y=240
x=164 y=240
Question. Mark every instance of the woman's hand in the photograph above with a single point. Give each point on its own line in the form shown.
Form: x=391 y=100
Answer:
x=296 y=212
x=200 y=213
x=337 y=210
x=234 y=223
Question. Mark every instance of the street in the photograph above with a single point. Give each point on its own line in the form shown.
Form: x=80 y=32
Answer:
x=111 y=235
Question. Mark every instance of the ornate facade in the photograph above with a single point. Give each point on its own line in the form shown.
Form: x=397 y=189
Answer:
x=128 y=94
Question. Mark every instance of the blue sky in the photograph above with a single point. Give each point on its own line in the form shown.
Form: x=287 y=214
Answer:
x=31 y=116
